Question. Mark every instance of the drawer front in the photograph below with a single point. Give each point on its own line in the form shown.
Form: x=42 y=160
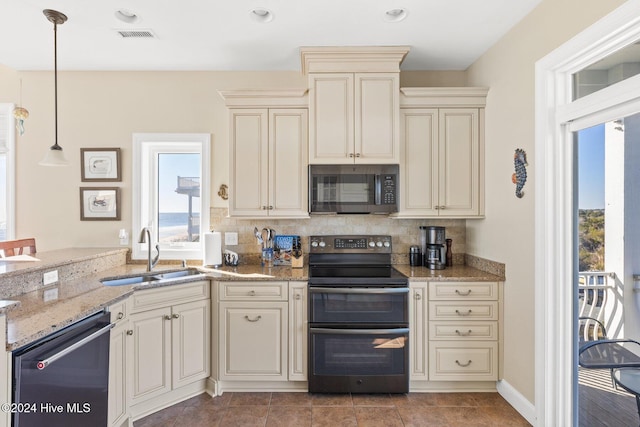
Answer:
x=170 y=295
x=119 y=311
x=253 y=291
x=472 y=310
x=463 y=290
x=466 y=361
x=459 y=331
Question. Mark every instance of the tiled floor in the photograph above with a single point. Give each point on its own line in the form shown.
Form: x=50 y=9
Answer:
x=304 y=409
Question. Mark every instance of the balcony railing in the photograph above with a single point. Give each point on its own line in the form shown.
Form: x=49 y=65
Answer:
x=596 y=295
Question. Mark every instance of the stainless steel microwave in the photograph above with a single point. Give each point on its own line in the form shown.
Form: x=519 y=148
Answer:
x=353 y=189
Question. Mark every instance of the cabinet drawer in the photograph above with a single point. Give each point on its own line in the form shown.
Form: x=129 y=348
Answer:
x=463 y=290
x=459 y=331
x=472 y=310
x=253 y=291
x=468 y=361
x=169 y=295
x=119 y=311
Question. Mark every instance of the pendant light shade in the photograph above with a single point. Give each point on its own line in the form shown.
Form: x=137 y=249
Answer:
x=55 y=156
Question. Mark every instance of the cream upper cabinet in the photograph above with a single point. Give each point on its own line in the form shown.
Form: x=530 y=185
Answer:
x=354 y=102
x=268 y=154
x=354 y=118
x=442 y=153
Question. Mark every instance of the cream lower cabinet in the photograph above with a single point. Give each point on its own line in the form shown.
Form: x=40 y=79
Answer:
x=118 y=365
x=171 y=339
x=464 y=331
x=298 y=332
x=442 y=153
x=253 y=323
x=418 y=331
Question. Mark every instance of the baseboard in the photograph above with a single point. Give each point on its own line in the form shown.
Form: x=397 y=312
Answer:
x=518 y=401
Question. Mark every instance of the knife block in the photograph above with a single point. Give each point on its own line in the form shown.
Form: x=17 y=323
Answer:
x=297 y=261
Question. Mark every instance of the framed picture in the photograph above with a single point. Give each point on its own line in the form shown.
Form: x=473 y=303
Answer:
x=99 y=204
x=100 y=164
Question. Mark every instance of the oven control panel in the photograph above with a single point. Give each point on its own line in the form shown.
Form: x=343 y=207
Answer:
x=350 y=244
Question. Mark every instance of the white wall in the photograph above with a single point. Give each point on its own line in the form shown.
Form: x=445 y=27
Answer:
x=507 y=233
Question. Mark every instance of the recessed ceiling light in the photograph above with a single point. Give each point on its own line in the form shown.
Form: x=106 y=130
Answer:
x=395 y=15
x=127 y=16
x=261 y=15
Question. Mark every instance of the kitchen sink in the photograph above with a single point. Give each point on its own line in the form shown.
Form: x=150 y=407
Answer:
x=149 y=277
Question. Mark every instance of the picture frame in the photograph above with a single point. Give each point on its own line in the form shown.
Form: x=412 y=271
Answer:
x=99 y=204
x=100 y=164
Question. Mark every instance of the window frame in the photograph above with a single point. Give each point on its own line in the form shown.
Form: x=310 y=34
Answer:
x=6 y=110
x=146 y=147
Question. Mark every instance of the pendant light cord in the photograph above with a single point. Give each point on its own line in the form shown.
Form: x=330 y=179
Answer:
x=55 y=82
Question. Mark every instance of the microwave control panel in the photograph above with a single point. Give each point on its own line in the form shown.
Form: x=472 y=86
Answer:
x=388 y=189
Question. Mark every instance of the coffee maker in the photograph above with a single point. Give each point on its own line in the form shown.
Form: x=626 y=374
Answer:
x=434 y=253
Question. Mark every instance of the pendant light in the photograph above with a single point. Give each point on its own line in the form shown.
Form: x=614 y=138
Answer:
x=55 y=156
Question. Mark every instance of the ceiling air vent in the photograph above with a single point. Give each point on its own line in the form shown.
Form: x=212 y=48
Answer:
x=136 y=34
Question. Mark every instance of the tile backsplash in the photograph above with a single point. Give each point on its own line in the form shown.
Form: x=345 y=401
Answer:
x=405 y=232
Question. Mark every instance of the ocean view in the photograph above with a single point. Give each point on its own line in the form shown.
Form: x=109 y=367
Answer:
x=173 y=226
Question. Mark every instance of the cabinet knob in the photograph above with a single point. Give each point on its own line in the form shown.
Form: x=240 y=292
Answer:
x=253 y=320
x=166 y=317
x=252 y=293
x=298 y=296
x=463 y=294
x=129 y=331
x=464 y=365
x=264 y=208
x=418 y=296
x=270 y=207
x=175 y=316
x=357 y=154
x=120 y=315
x=350 y=154
x=443 y=207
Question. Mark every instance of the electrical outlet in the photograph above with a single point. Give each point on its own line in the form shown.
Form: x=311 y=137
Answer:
x=50 y=277
x=230 y=238
x=50 y=294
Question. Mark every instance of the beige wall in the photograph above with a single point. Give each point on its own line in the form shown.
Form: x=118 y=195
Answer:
x=507 y=233
x=103 y=109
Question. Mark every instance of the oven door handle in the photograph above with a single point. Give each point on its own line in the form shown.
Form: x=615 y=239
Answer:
x=337 y=290
x=359 y=331
x=46 y=362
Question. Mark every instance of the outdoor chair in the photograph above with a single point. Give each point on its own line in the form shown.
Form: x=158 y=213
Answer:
x=16 y=247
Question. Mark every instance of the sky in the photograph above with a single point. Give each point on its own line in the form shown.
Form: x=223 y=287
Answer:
x=591 y=168
x=170 y=166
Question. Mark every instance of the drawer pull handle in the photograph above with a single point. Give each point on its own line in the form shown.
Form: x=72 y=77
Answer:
x=463 y=294
x=120 y=315
x=463 y=314
x=463 y=365
x=253 y=320
x=252 y=293
x=463 y=334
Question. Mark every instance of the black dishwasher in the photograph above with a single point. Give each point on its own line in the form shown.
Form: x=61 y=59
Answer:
x=63 y=378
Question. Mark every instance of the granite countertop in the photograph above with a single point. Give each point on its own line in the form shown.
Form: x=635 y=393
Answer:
x=35 y=314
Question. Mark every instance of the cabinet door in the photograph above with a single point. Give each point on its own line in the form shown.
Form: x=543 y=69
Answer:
x=288 y=155
x=331 y=118
x=418 y=332
x=253 y=341
x=376 y=124
x=118 y=391
x=191 y=342
x=150 y=354
x=249 y=163
x=298 y=331
x=419 y=151
x=459 y=190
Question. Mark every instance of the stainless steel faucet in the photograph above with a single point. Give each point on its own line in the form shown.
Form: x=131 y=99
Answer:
x=145 y=237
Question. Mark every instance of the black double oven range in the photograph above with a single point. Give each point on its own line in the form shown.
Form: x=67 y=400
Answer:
x=358 y=317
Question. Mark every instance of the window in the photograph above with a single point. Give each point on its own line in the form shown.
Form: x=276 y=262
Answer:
x=171 y=193
x=7 y=172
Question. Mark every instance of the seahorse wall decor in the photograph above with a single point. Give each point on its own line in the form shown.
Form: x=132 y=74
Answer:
x=520 y=176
